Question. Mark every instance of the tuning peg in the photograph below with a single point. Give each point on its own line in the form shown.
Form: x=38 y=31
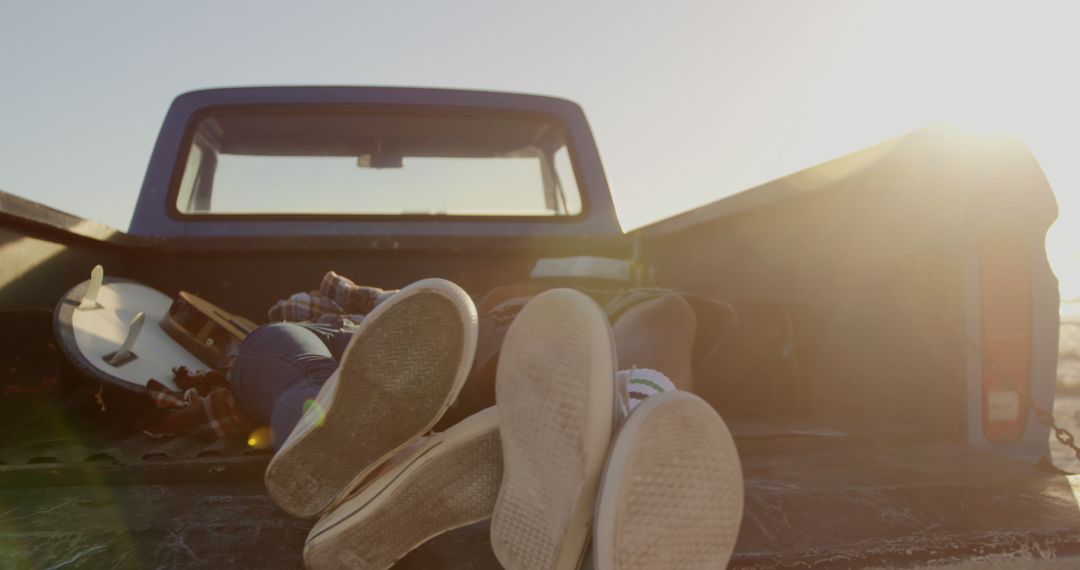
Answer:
x=124 y=355
x=89 y=300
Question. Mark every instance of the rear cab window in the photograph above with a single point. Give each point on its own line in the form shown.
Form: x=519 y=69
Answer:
x=282 y=163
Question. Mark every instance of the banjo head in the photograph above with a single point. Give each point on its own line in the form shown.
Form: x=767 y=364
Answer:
x=95 y=334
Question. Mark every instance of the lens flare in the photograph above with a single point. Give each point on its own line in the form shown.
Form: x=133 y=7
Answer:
x=261 y=438
x=316 y=410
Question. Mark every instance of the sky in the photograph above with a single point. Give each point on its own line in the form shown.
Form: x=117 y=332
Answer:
x=689 y=101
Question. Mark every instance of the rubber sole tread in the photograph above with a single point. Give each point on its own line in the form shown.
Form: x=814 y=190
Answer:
x=396 y=380
x=456 y=485
x=554 y=389
x=673 y=491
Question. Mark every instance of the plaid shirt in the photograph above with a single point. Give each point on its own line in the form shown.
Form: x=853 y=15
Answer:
x=337 y=297
x=204 y=405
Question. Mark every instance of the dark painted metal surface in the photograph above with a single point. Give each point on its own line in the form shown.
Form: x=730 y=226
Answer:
x=151 y=217
x=194 y=526
x=248 y=274
x=875 y=256
x=891 y=507
x=895 y=506
x=27 y=213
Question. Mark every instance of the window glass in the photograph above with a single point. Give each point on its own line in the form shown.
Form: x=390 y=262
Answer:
x=382 y=164
x=567 y=179
x=191 y=172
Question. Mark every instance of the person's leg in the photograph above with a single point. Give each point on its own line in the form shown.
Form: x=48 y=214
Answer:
x=672 y=495
x=555 y=413
x=278 y=368
x=673 y=446
x=658 y=334
x=556 y=375
x=336 y=339
x=446 y=481
x=555 y=394
x=400 y=371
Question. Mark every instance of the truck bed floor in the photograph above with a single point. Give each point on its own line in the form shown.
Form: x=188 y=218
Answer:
x=894 y=507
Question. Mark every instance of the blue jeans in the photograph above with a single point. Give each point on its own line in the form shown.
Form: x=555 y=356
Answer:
x=279 y=367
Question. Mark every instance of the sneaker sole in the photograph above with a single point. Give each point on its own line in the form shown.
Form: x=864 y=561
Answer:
x=451 y=481
x=553 y=390
x=672 y=495
x=402 y=370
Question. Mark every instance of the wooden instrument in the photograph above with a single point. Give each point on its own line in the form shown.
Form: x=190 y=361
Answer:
x=125 y=333
x=205 y=330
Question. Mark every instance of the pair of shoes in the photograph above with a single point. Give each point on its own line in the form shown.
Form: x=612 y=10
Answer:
x=357 y=457
x=671 y=493
x=402 y=369
x=659 y=489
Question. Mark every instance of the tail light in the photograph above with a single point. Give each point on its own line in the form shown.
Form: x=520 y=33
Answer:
x=1005 y=306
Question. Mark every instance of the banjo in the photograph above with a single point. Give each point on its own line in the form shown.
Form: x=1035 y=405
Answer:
x=125 y=333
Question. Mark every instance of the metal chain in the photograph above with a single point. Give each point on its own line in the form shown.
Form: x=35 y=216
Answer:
x=1064 y=436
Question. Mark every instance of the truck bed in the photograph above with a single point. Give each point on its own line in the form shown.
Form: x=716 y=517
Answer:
x=822 y=505
x=857 y=402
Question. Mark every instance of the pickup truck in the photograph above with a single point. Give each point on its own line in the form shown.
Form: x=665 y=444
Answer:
x=898 y=323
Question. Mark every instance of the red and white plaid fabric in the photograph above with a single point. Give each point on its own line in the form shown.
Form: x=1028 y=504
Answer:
x=205 y=406
x=337 y=297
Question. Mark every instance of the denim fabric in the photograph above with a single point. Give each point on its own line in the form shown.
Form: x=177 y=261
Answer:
x=279 y=367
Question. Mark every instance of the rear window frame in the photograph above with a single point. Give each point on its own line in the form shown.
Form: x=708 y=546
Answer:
x=179 y=164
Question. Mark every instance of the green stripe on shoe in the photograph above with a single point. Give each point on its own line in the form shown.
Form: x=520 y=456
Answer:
x=649 y=383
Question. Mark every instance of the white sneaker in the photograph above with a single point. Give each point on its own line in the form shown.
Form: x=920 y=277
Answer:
x=451 y=480
x=672 y=495
x=402 y=369
x=554 y=394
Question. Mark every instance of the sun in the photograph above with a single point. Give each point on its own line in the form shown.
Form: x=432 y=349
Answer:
x=1000 y=68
